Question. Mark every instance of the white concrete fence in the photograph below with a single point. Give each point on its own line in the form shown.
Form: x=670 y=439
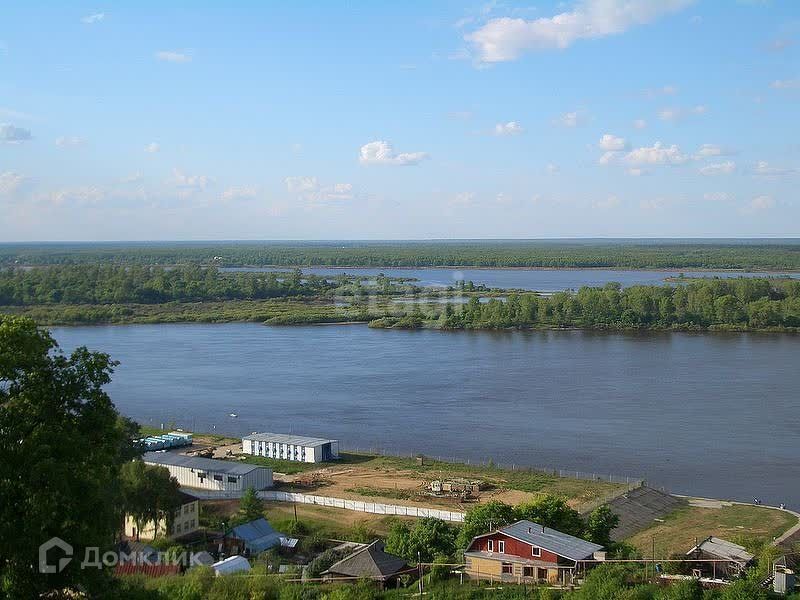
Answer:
x=375 y=508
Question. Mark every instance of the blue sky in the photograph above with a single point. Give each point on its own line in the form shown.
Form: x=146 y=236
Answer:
x=361 y=120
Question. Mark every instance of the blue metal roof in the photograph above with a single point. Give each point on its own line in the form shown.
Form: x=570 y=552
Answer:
x=257 y=535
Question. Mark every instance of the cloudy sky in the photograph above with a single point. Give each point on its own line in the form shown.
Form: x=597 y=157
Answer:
x=334 y=120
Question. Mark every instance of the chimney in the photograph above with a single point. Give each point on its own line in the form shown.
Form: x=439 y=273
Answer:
x=542 y=528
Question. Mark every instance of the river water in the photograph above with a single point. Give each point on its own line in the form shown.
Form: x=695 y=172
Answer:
x=541 y=280
x=705 y=414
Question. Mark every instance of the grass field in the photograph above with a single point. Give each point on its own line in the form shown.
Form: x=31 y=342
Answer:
x=750 y=526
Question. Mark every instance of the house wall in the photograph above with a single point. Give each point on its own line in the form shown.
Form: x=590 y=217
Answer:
x=186 y=520
x=513 y=547
x=492 y=569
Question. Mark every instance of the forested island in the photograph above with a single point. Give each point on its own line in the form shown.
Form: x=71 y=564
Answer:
x=768 y=255
x=79 y=294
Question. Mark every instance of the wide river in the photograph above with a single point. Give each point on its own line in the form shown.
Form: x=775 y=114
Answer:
x=706 y=414
x=540 y=280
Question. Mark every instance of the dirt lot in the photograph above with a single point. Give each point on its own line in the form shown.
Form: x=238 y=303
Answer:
x=402 y=481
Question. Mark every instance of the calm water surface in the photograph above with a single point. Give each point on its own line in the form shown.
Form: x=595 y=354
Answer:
x=713 y=415
x=542 y=280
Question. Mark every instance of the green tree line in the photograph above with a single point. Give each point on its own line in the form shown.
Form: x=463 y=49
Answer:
x=638 y=254
x=113 y=284
x=732 y=303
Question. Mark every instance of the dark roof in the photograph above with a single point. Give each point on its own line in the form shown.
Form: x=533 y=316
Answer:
x=201 y=464
x=132 y=551
x=723 y=549
x=639 y=508
x=371 y=561
x=559 y=543
x=186 y=498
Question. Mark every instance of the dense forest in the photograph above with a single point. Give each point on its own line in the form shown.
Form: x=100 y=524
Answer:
x=719 y=303
x=110 y=284
x=628 y=254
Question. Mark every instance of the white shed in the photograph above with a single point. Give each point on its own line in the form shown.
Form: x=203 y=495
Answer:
x=232 y=564
x=211 y=474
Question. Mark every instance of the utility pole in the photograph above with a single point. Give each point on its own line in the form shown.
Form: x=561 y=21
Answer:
x=419 y=569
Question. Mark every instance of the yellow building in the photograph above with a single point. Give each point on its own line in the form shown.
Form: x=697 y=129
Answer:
x=186 y=520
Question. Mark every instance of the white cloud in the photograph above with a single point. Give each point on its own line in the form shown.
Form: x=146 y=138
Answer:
x=380 y=152
x=198 y=182
x=572 y=118
x=298 y=185
x=11 y=134
x=510 y=128
x=653 y=204
x=723 y=168
x=716 y=196
x=82 y=196
x=780 y=44
x=640 y=123
x=132 y=178
x=678 y=114
x=608 y=157
x=606 y=204
x=786 y=84
x=551 y=168
x=657 y=154
x=758 y=204
x=463 y=199
x=239 y=193
x=10 y=182
x=152 y=148
x=309 y=189
x=667 y=90
x=709 y=150
x=612 y=143
x=764 y=168
x=95 y=18
x=69 y=141
x=173 y=56
x=637 y=171
x=505 y=39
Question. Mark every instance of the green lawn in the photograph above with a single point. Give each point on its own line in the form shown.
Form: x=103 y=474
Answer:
x=750 y=526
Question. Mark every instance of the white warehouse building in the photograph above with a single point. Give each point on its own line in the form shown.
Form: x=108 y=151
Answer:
x=290 y=447
x=211 y=474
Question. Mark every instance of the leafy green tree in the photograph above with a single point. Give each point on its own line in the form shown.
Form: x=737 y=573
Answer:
x=599 y=525
x=553 y=512
x=150 y=494
x=63 y=445
x=426 y=540
x=484 y=518
x=251 y=507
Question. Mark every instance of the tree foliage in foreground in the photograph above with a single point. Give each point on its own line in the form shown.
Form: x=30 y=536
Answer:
x=63 y=445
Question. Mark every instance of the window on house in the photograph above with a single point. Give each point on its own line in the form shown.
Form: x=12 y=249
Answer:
x=231 y=479
x=490 y=545
x=536 y=551
x=508 y=568
x=217 y=477
x=527 y=572
x=501 y=547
